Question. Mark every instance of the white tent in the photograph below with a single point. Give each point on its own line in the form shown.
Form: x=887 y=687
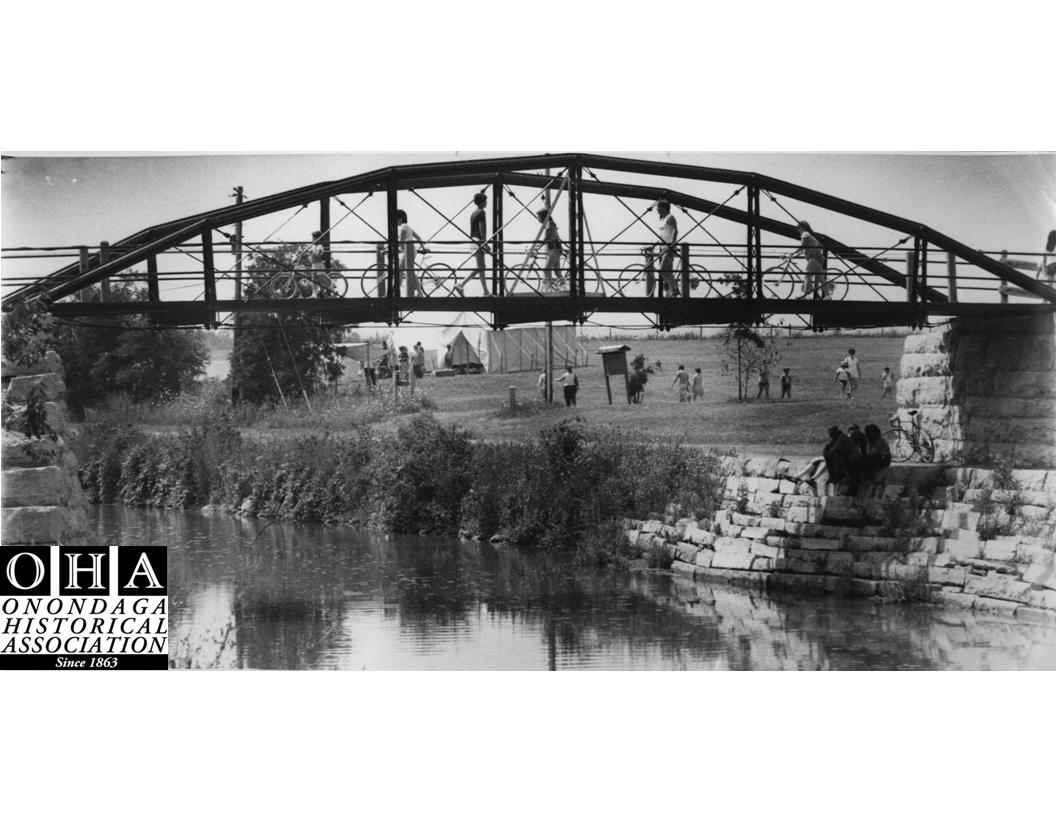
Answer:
x=474 y=343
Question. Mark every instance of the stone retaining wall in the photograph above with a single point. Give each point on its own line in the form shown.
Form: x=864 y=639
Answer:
x=915 y=534
x=985 y=389
x=42 y=501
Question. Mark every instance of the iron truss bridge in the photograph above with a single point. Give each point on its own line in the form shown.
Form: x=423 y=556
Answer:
x=737 y=256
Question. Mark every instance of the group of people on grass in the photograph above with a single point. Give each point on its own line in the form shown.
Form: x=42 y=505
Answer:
x=400 y=359
x=848 y=458
x=569 y=382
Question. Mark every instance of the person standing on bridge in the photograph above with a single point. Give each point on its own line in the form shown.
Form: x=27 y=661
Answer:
x=406 y=236
x=666 y=249
x=811 y=249
x=478 y=233
x=551 y=238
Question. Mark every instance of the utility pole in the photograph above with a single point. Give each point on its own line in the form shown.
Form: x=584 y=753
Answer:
x=238 y=196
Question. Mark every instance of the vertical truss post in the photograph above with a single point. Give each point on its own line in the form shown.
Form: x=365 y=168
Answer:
x=580 y=248
x=209 y=274
x=754 y=247
x=104 y=284
x=684 y=251
x=498 y=279
x=324 y=229
x=153 y=294
x=951 y=276
x=573 y=231
x=82 y=268
x=394 y=257
x=923 y=255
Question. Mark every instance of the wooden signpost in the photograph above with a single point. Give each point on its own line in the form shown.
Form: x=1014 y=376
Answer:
x=614 y=361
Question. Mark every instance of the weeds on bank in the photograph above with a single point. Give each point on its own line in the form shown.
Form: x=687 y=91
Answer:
x=565 y=489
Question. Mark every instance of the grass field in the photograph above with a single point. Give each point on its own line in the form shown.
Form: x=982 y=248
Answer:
x=796 y=426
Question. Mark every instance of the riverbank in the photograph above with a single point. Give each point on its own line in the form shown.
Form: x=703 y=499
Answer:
x=966 y=537
x=564 y=489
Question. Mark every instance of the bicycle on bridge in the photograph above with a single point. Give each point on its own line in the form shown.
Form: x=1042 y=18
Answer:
x=783 y=281
x=435 y=280
x=640 y=279
x=311 y=281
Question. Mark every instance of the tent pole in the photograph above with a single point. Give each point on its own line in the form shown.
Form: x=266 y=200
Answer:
x=549 y=362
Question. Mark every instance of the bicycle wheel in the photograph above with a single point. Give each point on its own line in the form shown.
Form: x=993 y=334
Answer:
x=632 y=282
x=436 y=280
x=525 y=279
x=284 y=286
x=836 y=284
x=699 y=285
x=900 y=443
x=336 y=286
x=373 y=281
x=778 y=283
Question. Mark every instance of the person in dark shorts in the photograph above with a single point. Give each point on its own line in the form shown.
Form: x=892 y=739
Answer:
x=858 y=438
x=838 y=453
x=478 y=233
x=571 y=384
x=786 y=383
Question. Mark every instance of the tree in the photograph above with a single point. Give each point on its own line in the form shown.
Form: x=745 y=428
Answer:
x=279 y=355
x=747 y=352
x=113 y=354
x=126 y=355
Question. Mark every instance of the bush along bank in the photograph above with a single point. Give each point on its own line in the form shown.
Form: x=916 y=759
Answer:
x=975 y=538
x=566 y=489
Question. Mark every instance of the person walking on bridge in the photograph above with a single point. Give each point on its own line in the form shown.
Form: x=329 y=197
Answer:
x=666 y=249
x=811 y=249
x=478 y=234
x=406 y=236
x=551 y=239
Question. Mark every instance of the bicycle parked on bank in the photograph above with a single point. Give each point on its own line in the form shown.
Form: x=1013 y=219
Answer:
x=905 y=442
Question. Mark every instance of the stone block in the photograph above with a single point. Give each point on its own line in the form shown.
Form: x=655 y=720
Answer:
x=962 y=549
x=818 y=543
x=861 y=543
x=772 y=523
x=43 y=525
x=798 y=565
x=730 y=559
x=755 y=533
x=903 y=572
x=953 y=576
x=1000 y=549
x=35 y=487
x=762 y=564
x=927 y=342
x=702 y=538
x=800 y=514
x=788 y=487
x=769 y=485
x=954 y=597
x=1032 y=553
x=928 y=364
x=862 y=569
x=996 y=585
x=704 y=558
x=1044 y=598
x=996 y=606
x=686 y=553
x=914 y=392
x=683 y=568
x=651 y=526
x=1037 y=575
x=744 y=520
x=766 y=551
x=20 y=388
x=731 y=544
x=864 y=588
x=1023 y=385
x=1029 y=614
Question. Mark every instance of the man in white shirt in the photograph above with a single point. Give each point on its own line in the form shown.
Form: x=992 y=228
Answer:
x=666 y=247
x=405 y=238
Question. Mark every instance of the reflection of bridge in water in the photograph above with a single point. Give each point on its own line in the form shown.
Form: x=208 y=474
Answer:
x=723 y=271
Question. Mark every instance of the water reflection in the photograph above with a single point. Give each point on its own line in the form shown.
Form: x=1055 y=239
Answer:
x=248 y=594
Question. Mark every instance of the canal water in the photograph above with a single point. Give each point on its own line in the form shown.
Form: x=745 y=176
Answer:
x=252 y=595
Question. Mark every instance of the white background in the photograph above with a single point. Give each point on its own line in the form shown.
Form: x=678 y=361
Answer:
x=543 y=76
